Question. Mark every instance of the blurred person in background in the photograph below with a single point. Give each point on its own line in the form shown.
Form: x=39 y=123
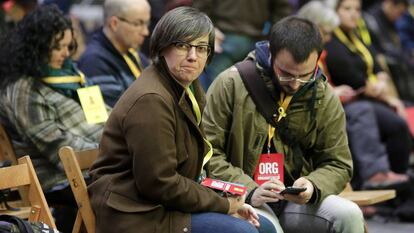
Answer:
x=13 y=11
x=352 y=63
x=39 y=105
x=378 y=29
x=239 y=25
x=112 y=59
x=406 y=31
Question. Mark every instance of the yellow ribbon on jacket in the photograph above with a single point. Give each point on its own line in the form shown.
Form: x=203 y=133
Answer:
x=283 y=103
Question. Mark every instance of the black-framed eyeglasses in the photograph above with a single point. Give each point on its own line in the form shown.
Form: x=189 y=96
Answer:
x=303 y=79
x=139 y=23
x=183 y=48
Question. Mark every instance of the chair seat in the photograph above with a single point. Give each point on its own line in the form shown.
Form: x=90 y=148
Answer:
x=368 y=197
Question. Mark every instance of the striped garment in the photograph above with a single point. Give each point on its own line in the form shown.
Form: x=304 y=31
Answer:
x=39 y=121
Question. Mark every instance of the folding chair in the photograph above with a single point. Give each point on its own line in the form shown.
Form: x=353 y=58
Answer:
x=73 y=163
x=7 y=153
x=6 y=148
x=23 y=175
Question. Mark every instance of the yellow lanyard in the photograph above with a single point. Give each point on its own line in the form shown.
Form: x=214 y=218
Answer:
x=197 y=112
x=356 y=46
x=363 y=32
x=134 y=68
x=284 y=103
x=66 y=79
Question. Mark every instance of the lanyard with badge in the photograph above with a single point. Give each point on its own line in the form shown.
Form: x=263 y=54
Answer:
x=272 y=164
x=90 y=97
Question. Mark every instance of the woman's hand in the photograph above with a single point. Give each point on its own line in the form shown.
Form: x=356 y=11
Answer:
x=378 y=88
x=345 y=93
x=248 y=213
x=236 y=202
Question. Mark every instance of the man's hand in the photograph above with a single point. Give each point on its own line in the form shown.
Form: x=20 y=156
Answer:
x=267 y=192
x=303 y=197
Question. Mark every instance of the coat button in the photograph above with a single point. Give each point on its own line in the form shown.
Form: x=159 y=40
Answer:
x=185 y=229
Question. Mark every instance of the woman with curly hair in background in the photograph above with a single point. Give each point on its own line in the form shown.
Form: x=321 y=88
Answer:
x=39 y=105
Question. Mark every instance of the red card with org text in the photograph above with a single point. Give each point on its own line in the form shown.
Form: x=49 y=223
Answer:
x=270 y=165
x=223 y=186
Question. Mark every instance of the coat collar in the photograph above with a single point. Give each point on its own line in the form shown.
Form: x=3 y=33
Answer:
x=178 y=91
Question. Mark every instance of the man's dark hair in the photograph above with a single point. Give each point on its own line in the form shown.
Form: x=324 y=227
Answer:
x=299 y=36
x=181 y=24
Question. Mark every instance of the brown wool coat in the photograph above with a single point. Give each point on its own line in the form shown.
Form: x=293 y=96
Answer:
x=150 y=156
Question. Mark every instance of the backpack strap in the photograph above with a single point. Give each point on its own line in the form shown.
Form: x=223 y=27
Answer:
x=22 y=225
x=264 y=101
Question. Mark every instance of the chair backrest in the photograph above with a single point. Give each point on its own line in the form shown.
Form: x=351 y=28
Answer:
x=74 y=162
x=24 y=176
x=6 y=148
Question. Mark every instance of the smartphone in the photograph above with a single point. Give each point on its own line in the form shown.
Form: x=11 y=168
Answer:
x=293 y=190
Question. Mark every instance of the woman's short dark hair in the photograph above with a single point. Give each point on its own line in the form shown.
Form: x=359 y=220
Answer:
x=181 y=24
x=26 y=48
x=299 y=36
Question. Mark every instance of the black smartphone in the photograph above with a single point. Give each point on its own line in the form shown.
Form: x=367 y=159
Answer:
x=293 y=190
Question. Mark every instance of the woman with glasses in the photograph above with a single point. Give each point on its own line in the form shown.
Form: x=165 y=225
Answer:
x=153 y=153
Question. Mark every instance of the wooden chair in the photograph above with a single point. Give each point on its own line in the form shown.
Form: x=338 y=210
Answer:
x=6 y=148
x=7 y=153
x=23 y=175
x=73 y=163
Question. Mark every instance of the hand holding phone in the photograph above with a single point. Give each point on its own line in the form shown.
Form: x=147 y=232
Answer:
x=293 y=190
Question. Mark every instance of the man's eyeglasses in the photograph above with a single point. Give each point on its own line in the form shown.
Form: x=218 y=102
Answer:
x=183 y=48
x=303 y=79
x=139 y=23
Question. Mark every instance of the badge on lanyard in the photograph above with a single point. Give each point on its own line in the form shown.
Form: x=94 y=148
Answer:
x=270 y=165
x=92 y=104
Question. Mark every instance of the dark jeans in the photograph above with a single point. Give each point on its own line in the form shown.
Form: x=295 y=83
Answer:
x=379 y=139
x=222 y=223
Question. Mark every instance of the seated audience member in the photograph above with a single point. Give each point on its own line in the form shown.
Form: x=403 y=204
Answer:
x=39 y=106
x=352 y=63
x=306 y=132
x=153 y=149
x=406 y=31
x=361 y=120
x=239 y=25
x=381 y=32
x=111 y=59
